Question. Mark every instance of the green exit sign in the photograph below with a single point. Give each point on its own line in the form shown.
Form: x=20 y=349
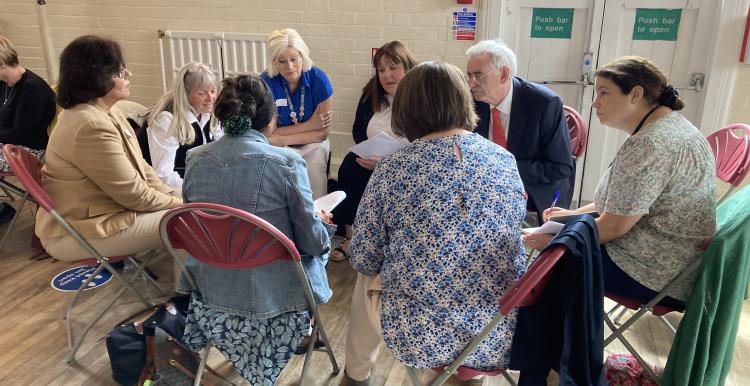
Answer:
x=552 y=23
x=656 y=24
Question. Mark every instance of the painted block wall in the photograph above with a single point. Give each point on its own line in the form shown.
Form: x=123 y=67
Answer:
x=340 y=34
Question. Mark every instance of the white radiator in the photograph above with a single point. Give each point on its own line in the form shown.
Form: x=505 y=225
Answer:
x=227 y=53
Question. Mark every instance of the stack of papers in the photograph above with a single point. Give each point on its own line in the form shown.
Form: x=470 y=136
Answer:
x=378 y=146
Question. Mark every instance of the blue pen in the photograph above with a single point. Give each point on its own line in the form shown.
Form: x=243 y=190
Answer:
x=554 y=199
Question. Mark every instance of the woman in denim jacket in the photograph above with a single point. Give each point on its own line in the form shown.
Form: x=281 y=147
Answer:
x=265 y=306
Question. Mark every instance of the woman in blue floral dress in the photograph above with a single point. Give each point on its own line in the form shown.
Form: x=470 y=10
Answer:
x=440 y=223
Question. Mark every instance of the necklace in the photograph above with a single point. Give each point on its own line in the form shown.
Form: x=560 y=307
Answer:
x=292 y=113
x=8 y=93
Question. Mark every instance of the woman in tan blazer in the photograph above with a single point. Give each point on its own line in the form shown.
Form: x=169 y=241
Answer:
x=94 y=169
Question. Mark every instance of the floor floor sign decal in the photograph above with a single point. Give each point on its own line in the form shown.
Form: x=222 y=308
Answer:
x=71 y=279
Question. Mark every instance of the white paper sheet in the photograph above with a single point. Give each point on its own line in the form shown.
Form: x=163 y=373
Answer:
x=378 y=146
x=329 y=201
x=550 y=227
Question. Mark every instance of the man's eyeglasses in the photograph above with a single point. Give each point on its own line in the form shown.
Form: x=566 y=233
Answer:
x=122 y=73
x=476 y=76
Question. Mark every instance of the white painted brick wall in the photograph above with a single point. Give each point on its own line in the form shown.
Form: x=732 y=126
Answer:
x=340 y=34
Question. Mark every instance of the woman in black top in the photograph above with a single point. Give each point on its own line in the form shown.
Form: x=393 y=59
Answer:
x=373 y=116
x=28 y=107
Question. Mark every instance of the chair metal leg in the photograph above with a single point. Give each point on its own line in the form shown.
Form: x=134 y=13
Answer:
x=13 y=221
x=202 y=366
x=617 y=331
x=6 y=192
x=619 y=335
x=328 y=349
x=141 y=267
x=509 y=378
x=619 y=316
x=413 y=375
x=614 y=309
x=75 y=344
x=669 y=326
x=308 y=354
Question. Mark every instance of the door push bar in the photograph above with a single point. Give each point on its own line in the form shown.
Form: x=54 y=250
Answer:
x=695 y=84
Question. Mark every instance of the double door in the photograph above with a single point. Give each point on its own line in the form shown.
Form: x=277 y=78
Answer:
x=560 y=42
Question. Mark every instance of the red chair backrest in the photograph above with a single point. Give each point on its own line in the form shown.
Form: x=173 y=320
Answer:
x=577 y=129
x=225 y=237
x=28 y=170
x=731 y=152
x=527 y=289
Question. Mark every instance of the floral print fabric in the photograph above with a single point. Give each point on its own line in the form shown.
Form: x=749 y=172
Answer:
x=443 y=231
x=259 y=349
x=666 y=173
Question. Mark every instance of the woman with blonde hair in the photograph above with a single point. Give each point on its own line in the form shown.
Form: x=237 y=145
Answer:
x=181 y=120
x=303 y=97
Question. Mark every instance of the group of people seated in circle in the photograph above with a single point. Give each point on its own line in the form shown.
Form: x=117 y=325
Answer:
x=433 y=230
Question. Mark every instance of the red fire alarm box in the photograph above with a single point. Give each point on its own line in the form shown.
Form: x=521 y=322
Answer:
x=464 y=1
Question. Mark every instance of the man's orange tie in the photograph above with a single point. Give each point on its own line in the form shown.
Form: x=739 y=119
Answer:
x=498 y=132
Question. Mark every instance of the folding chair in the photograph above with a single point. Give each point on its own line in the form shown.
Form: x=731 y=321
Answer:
x=230 y=238
x=526 y=291
x=578 y=131
x=732 y=155
x=12 y=190
x=27 y=169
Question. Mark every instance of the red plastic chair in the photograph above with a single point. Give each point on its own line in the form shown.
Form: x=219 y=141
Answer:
x=732 y=155
x=525 y=291
x=578 y=131
x=230 y=238
x=28 y=170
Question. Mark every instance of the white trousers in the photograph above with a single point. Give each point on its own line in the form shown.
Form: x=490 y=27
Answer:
x=317 y=168
x=364 y=336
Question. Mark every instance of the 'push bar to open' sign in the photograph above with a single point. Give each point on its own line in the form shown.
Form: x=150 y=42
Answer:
x=656 y=24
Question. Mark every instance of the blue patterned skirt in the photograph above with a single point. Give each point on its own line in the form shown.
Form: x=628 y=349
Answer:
x=259 y=349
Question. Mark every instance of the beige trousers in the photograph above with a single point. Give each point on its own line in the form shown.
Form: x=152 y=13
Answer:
x=317 y=169
x=141 y=236
x=364 y=336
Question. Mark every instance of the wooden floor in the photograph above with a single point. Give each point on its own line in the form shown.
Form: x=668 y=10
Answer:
x=33 y=343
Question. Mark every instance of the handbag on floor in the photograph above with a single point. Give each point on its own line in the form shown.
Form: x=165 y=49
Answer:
x=146 y=348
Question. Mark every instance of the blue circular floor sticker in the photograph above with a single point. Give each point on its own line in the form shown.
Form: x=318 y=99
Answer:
x=70 y=280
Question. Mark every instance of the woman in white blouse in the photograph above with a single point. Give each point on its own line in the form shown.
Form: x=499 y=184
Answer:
x=373 y=116
x=181 y=120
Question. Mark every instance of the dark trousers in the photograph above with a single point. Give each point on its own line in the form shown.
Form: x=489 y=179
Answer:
x=352 y=179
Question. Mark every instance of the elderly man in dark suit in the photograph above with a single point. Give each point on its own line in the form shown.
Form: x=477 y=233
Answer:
x=525 y=118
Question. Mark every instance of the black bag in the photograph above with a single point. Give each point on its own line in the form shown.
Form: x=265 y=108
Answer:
x=140 y=351
x=126 y=346
x=153 y=350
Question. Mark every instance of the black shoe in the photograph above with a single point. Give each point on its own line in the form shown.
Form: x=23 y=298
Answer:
x=6 y=214
x=305 y=343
